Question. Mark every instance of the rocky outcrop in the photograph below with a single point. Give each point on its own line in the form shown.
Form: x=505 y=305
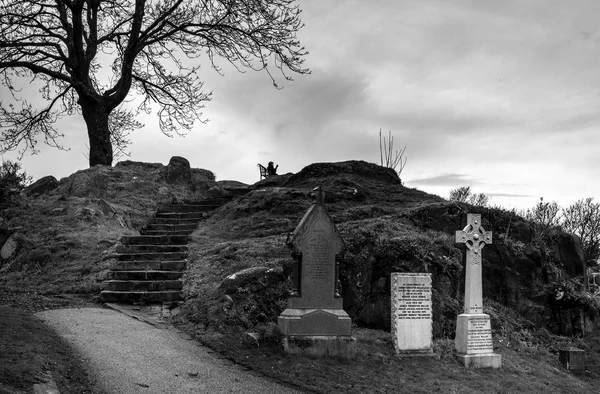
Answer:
x=41 y=186
x=178 y=170
x=568 y=252
x=516 y=269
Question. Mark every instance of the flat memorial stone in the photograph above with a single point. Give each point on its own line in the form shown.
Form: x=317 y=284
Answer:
x=411 y=313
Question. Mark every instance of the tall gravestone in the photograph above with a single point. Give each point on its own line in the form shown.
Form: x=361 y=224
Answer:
x=314 y=321
x=473 y=327
x=411 y=313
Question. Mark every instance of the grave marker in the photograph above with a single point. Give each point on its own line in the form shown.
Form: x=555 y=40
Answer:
x=473 y=328
x=314 y=321
x=411 y=313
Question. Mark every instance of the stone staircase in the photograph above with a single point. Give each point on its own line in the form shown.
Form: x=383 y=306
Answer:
x=149 y=266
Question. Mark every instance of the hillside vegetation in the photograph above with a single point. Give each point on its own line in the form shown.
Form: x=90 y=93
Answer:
x=70 y=233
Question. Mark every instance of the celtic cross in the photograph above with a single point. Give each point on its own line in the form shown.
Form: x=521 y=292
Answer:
x=475 y=238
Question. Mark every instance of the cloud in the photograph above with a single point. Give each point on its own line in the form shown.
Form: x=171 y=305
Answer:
x=449 y=179
x=516 y=195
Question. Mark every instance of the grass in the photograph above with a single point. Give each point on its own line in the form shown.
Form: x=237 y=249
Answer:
x=376 y=369
x=30 y=352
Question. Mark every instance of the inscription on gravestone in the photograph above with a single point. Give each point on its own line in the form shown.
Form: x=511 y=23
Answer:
x=411 y=312
x=479 y=336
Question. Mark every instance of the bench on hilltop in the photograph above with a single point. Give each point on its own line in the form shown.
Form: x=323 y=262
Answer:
x=263 y=172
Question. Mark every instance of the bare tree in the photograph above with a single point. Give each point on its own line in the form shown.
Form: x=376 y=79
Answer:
x=583 y=219
x=460 y=194
x=465 y=195
x=544 y=216
x=63 y=44
x=389 y=158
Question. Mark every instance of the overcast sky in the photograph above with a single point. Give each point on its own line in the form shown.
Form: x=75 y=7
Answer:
x=502 y=96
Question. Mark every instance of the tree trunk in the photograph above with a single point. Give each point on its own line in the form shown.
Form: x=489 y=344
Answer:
x=96 y=118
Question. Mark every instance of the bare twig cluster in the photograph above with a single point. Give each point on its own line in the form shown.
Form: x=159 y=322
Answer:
x=464 y=194
x=390 y=158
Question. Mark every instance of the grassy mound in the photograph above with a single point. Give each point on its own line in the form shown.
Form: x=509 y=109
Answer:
x=68 y=235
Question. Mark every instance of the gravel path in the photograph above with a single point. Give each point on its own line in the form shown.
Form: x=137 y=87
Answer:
x=127 y=356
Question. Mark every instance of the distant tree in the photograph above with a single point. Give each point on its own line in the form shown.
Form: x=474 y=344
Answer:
x=465 y=195
x=544 y=214
x=460 y=194
x=389 y=158
x=150 y=47
x=12 y=181
x=479 y=199
x=583 y=219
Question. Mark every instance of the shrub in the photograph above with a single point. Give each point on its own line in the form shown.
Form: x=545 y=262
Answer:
x=12 y=181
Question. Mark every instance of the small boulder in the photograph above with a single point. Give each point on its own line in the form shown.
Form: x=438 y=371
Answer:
x=41 y=186
x=106 y=208
x=216 y=191
x=10 y=247
x=178 y=170
x=85 y=213
x=5 y=234
x=258 y=277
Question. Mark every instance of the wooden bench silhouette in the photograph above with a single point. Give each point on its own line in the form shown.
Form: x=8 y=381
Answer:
x=264 y=173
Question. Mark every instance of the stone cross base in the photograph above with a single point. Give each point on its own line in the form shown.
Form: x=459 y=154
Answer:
x=315 y=322
x=474 y=343
x=318 y=345
x=491 y=360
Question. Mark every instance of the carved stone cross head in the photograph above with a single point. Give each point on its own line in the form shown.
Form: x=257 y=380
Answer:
x=474 y=237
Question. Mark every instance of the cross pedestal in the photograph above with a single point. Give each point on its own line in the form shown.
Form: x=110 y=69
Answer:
x=473 y=340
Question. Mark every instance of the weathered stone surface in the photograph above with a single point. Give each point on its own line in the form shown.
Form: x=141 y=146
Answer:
x=567 y=251
x=106 y=208
x=10 y=247
x=178 y=170
x=315 y=305
x=411 y=313
x=41 y=186
x=85 y=213
x=511 y=266
x=256 y=278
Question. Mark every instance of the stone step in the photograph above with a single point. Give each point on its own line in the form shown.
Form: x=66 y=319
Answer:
x=162 y=220
x=211 y=200
x=201 y=207
x=143 y=285
x=145 y=275
x=155 y=240
x=165 y=232
x=180 y=215
x=149 y=265
x=171 y=227
x=169 y=256
x=128 y=249
x=140 y=296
